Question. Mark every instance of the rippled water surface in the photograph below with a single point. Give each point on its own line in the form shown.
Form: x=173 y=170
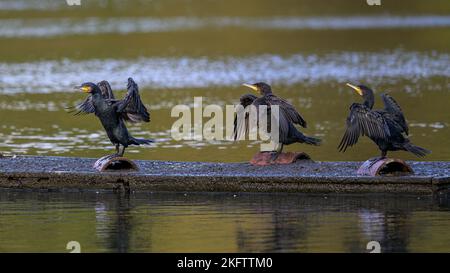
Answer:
x=179 y=222
x=92 y=25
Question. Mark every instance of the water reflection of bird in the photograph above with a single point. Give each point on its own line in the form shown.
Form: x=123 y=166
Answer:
x=288 y=117
x=112 y=112
x=387 y=127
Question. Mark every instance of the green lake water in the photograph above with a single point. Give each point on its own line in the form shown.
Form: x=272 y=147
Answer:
x=225 y=222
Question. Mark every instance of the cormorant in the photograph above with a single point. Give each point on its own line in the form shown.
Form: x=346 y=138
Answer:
x=112 y=112
x=243 y=128
x=387 y=127
x=288 y=117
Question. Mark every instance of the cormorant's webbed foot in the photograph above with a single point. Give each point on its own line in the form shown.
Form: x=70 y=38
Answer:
x=120 y=150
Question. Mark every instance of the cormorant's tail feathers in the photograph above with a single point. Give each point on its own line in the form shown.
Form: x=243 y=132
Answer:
x=313 y=141
x=301 y=138
x=141 y=141
x=416 y=150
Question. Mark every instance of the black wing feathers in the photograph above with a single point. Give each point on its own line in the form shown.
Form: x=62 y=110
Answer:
x=83 y=108
x=287 y=115
x=241 y=128
x=362 y=121
x=288 y=110
x=87 y=106
x=131 y=107
x=393 y=108
x=107 y=92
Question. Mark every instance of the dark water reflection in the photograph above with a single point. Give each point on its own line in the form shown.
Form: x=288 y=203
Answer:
x=168 y=222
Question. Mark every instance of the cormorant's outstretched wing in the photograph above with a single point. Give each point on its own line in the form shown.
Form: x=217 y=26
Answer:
x=107 y=92
x=241 y=125
x=288 y=110
x=363 y=121
x=392 y=107
x=247 y=99
x=83 y=108
x=131 y=106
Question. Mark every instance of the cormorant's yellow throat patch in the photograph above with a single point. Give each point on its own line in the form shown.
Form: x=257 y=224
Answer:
x=86 y=89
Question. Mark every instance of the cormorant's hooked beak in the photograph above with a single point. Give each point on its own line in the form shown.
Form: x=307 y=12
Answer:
x=356 y=88
x=84 y=88
x=251 y=86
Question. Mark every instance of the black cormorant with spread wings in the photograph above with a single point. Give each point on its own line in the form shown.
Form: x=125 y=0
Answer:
x=112 y=112
x=387 y=127
x=288 y=117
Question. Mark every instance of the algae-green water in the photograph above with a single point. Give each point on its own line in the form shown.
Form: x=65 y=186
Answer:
x=222 y=222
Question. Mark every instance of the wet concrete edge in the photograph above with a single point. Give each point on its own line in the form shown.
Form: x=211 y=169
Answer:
x=236 y=180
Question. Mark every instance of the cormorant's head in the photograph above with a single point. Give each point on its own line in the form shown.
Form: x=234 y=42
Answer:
x=364 y=92
x=261 y=87
x=88 y=87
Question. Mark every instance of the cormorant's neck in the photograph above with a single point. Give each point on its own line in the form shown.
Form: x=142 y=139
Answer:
x=369 y=99
x=96 y=95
